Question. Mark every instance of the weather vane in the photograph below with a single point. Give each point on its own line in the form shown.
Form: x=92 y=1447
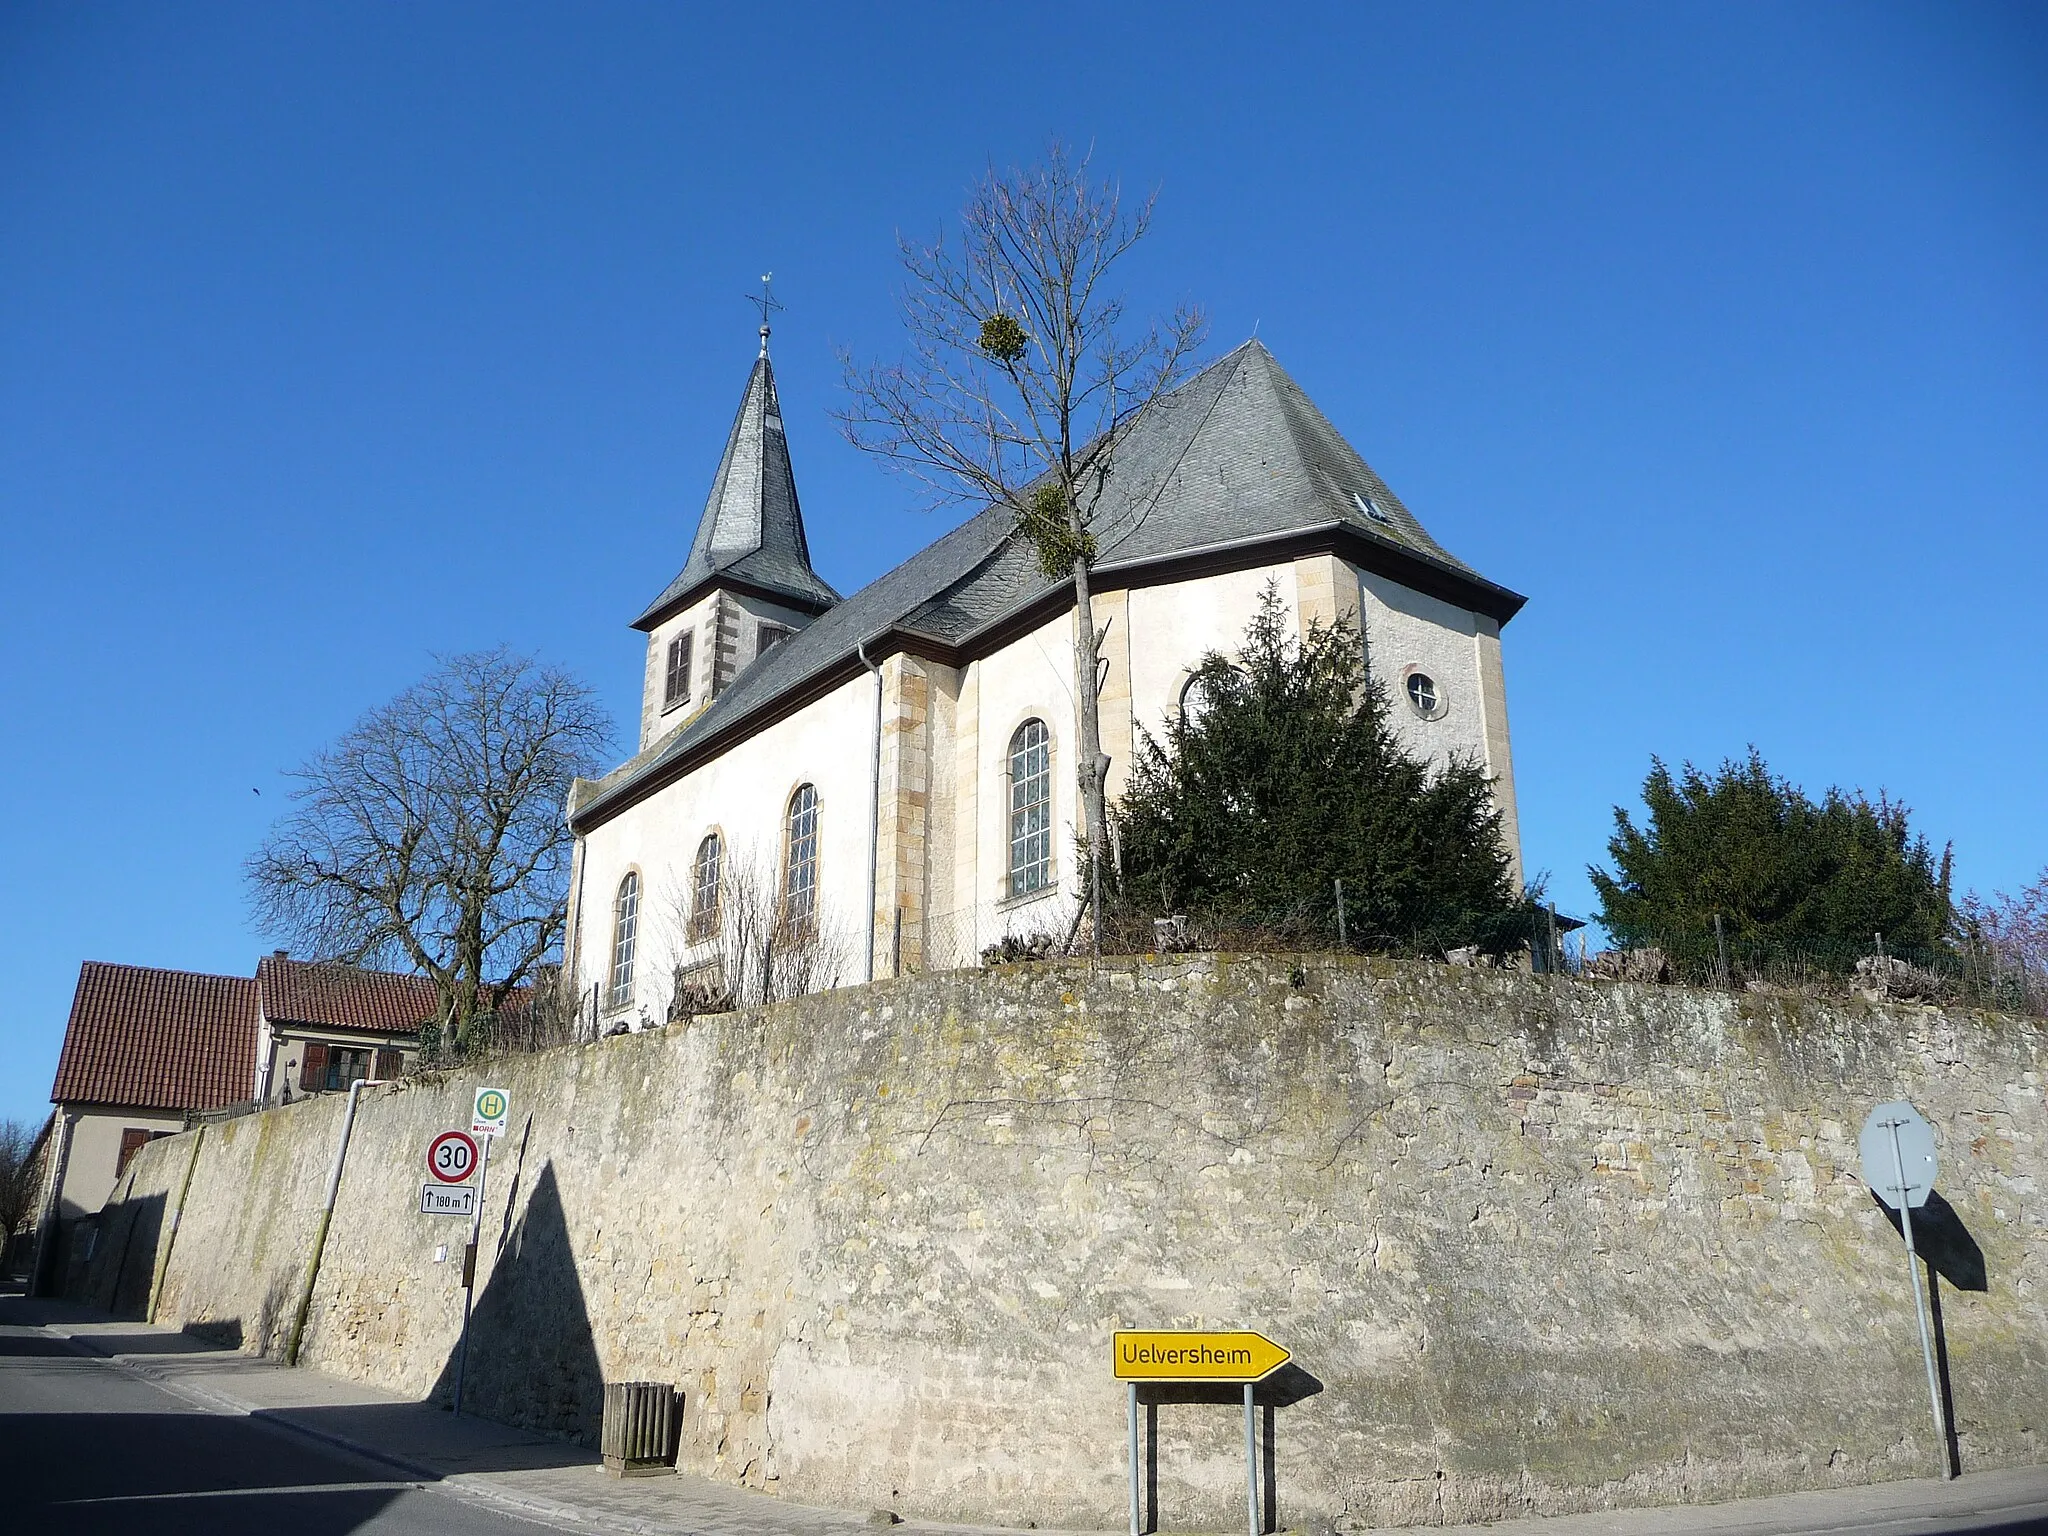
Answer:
x=765 y=302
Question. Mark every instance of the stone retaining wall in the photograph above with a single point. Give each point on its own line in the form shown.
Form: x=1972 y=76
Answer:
x=1536 y=1244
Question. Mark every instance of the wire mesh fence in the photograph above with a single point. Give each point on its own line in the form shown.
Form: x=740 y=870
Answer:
x=1533 y=937
x=1709 y=954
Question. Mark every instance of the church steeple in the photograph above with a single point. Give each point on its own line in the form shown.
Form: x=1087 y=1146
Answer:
x=751 y=536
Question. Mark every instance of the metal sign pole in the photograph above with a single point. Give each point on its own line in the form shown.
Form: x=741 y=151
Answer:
x=476 y=1222
x=1251 y=1468
x=1919 y=1308
x=1134 y=1460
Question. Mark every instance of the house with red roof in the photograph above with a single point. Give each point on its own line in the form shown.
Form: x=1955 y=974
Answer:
x=147 y=1052
x=144 y=1051
x=320 y=1026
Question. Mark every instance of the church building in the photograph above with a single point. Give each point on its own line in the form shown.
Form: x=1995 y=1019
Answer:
x=856 y=786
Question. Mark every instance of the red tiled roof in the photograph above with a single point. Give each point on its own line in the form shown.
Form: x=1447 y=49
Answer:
x=332 y=996
x=155 y=1039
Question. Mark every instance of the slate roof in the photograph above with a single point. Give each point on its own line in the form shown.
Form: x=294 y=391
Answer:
x=752 y=530
x=329 y=996
x=145 y=1038
x=1236 y=456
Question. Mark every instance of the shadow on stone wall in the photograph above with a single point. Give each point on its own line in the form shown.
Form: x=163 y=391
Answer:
x=1950 y=1253
x=109 y=1258
x=1283 y=1389
x=532 y=1361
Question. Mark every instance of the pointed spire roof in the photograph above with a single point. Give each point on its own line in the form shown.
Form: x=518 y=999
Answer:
x=751 y=535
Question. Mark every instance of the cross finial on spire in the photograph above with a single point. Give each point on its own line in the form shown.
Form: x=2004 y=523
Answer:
x=765 y=302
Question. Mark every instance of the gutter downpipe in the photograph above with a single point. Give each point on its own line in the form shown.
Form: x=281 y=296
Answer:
x=874 y=804
x=348 y=1122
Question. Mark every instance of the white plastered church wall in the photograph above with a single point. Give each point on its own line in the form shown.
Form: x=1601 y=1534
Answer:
x=744 y=795
x=1030 y=678
x=1172 y=627
x=1406 y=631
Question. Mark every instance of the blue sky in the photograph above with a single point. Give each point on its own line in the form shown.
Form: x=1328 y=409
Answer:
x=332 y=337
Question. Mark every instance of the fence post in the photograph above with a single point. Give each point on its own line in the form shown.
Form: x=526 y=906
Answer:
x=1342 y=942
x=1721 y=951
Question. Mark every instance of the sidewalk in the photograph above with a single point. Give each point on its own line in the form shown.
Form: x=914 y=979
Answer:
x=566 y=1487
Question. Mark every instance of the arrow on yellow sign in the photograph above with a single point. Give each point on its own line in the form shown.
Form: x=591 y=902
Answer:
x=1183 y=1355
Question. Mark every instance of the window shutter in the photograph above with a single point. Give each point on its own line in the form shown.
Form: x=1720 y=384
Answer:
x=313 y=1068
x=678 y=690
x=132 y=1142
x=389 y=1064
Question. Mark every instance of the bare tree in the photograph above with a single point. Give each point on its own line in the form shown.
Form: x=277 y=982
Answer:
x=1020 y=379
x=18 y=1170
x=751 y=948
x=2013 y=927
x=431 y=836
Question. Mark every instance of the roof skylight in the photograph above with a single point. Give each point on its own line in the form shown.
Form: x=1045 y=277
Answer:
x=1370 y=508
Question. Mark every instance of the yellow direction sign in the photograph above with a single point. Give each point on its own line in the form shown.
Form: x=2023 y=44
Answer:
x=1182 y=1355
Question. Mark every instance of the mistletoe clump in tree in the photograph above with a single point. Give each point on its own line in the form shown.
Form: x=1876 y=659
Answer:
x=1022 y=373
x=1288 y=778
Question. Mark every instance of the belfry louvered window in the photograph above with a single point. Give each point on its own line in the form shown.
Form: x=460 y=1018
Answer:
x=625 y=936
x=678 y=689
x=1030 y=809
x=800 y=866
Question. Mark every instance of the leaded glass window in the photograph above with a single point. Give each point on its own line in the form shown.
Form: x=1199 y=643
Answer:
x=625 y=933
x=704 y=878
x=1030 y=808
x=800 y=865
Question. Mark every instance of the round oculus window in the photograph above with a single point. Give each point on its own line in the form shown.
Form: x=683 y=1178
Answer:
x=1423 y=696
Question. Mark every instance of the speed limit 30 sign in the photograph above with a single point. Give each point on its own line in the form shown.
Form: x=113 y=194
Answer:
x=451 y=1157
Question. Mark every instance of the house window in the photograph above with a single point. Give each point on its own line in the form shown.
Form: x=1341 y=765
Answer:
x=344 y=1067
x=678 y=690
x=625 y=930
x=704 y=890
x=800 y=865
x=1030 y=808
x=769 y=637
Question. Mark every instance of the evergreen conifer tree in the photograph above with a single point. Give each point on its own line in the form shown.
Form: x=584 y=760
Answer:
x=1287 y=778
x=1789 y=877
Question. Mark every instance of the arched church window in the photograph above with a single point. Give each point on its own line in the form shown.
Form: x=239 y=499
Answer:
x=800 y=865
x=625 y=936
x=704 y=887
x=1194 y=700
x=1030 y=808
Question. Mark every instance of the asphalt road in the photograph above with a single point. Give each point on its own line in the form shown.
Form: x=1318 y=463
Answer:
x=86 y=1447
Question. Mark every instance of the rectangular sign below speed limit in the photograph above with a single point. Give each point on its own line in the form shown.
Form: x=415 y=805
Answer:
x=447 y=1200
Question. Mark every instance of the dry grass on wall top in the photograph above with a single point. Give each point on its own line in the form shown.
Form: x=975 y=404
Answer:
x=1537 y=1244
